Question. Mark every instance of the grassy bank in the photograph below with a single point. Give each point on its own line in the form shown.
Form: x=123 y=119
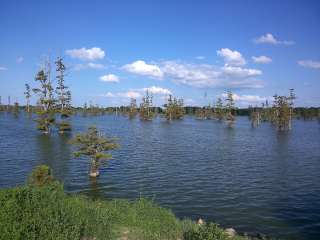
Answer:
x=42 y=210
x=47 y=212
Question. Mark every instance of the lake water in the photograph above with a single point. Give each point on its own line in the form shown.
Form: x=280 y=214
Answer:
x=255 y=180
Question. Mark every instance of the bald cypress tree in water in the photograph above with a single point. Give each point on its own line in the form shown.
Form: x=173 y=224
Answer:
x=230 y=109
x=219 y=110
x=63 y=97
x=27 y=95
x=46 y=101
x=283 y=111
x=95 y=146
x=146 y=112
x=174 y=108
x=133 y=108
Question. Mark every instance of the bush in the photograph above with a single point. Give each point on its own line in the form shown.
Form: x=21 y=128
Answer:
x=209 y=231
x=41 y=176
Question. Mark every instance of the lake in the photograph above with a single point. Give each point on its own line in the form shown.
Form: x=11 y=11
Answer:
x=252 y=179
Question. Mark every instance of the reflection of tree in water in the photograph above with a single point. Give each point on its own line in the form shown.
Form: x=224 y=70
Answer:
x=282 y=143
x=95 y=191
x=55 y=152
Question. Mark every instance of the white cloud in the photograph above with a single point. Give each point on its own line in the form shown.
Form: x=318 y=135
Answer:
x=84 y=54
x=89 y=65
x=3 y=68
x=20 y=59
x=309 y=64
x=270 y=39
x=239 y=72
x=157 y=90
x=247 y=99
x=129 y=94
x=204 y=75
x=109 y=94
x=142 y=68
x=233 y=58
x=262 y=59
x=109 y=78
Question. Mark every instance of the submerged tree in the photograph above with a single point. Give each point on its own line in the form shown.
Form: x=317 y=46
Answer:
x=27 y=95
x=133 y=108
x=230 y=109
x=63 y=97
x=95 y=146
x=46 y=101
x=174 y=108
x=283 y=111
x=219 y=110
x=255 y=116
x=146 y=112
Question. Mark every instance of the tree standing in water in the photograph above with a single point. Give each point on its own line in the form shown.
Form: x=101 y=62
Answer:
x=283 y=111
x=218 y=110
x=27 y=94
x=63 y=97
x=146 y=112
x=133 y=108
x=46 y=100
x=94 y=145
x=230 y=107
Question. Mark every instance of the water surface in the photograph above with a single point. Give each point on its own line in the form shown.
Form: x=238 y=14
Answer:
x=255 y=180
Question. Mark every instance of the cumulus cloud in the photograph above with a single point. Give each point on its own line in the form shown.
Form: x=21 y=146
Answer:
x=20 y=59
x=2 y=68
x=110 y=78
x=157 y=90
x=262 y=59
x=142 y=68
x=130 y=94
x=89 y=65
x=309 y=64
x=248 y=99
x=85 y=54
x=270 y=39
x=204 y=75
x=233 y=58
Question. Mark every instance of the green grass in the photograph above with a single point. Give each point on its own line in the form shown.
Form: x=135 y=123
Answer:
x=42 y=210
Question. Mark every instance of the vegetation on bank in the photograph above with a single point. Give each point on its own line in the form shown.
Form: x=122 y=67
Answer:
x=42 y=210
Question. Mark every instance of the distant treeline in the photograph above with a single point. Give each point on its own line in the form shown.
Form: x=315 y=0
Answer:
x=305 y=113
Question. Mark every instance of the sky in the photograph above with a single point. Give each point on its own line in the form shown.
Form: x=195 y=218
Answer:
x=195 y=50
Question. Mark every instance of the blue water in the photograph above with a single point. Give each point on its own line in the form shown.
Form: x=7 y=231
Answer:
x=255 y=180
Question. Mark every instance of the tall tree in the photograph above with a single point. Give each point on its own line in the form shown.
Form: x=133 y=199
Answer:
x=63 y=96
x=95 y=146
x=230 y=108
x=46 y=100
x=146 y=112
x=132 y=108
x=27 y=95
x=219 y=110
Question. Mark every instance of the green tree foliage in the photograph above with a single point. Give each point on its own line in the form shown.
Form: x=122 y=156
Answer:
x=230 y=109
x=174 y=108
x=63 y=105
x=219 y=110
x=146 y=112
x=46 y=100
x=94 y=145
x=209 y=231
x=282 y=111
x=41 y=176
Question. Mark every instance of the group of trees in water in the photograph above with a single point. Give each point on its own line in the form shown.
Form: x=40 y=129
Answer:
x=53 y=106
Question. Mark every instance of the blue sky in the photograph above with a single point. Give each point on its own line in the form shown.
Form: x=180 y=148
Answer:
x=115 y=50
